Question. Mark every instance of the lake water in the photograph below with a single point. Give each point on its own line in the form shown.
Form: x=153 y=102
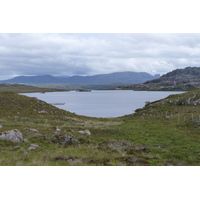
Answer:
x=101 y=103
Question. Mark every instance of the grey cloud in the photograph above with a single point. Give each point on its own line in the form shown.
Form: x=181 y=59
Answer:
x=88 y=54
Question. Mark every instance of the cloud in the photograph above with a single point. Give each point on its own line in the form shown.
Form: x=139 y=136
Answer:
x=89 y=54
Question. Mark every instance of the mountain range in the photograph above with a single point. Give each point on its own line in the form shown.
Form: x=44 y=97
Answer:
x=113 y=78
x=179 y=79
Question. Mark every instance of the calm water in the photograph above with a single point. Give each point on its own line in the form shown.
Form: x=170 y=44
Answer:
x=105 y=103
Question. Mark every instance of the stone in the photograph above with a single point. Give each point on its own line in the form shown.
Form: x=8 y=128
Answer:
x=31 y=148
x=33 y=130
x=58 y=129
x=69 y=140
x=25 y=140
x=34 y=145
x=81 y=132
x=86 y=132
x=37 y=134
x=42 y=112
x=12 y=136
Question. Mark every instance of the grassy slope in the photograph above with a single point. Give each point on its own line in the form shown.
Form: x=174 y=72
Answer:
x=163 y=133
x=18 y=88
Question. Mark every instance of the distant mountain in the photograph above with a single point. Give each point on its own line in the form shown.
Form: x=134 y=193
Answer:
x=118 y=77
x=33 y=79
x=179 y=79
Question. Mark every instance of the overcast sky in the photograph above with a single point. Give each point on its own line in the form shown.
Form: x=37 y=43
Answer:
x=90 y=54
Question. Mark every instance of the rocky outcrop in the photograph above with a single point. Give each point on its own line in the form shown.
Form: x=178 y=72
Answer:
x=176 y=80
x=185 y=99
x=12 y=136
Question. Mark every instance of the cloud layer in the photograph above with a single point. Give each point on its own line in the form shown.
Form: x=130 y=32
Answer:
x=89 y=54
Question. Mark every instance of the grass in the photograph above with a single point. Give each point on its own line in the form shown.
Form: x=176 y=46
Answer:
x=19 y=88
x=163 y=133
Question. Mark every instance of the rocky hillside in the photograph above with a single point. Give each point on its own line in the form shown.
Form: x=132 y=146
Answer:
x=179 y=79
x=183 y=107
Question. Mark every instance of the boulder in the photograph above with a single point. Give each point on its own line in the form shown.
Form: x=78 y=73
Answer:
x=12 y=136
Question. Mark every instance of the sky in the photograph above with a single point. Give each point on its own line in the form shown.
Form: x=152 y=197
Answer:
x=91 y=53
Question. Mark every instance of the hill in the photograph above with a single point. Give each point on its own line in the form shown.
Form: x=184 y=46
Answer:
x=179 y=79
x=119 y=77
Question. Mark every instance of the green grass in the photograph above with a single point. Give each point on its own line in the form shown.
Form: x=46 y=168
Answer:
x=166 y=132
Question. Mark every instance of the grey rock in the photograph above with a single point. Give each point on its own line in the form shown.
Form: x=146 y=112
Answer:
x=34 y=145
x=42 y=112
x=12 y=135
x=86 y=132
x=33 y=130
x=69 y=140
x=58 y=129
x=1 y=126
x=56 y=134
x=31 y=148
x=25 y=140
x=37 y=134
x=81 y=132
